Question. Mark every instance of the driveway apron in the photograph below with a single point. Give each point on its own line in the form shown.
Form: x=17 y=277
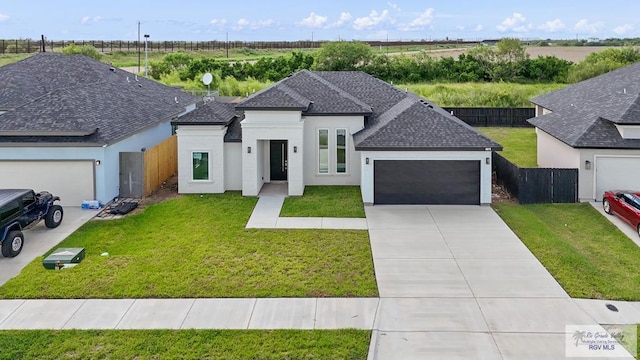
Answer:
x=456 y=283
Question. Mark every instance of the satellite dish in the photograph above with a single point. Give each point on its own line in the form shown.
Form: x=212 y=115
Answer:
x=207 y=79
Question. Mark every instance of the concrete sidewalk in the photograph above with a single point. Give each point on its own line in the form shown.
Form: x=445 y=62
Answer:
x=242 y=314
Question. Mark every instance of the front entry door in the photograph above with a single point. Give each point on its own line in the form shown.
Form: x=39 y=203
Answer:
x=278 y=160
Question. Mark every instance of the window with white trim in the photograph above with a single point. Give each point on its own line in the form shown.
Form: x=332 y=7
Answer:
x=341 y=151
x=323 y=151
x=200 y=165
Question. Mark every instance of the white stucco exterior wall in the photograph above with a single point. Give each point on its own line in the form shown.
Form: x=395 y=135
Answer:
x=367 y=181
x=203 y=138
x=312 y=124
x=553 y=153
x=258 y=127
x=233 y=166
x=587 y=178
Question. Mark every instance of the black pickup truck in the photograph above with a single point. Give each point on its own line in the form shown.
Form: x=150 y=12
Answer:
x=21 y=209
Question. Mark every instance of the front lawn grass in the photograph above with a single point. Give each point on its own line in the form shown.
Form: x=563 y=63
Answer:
x=519 y=144
x=184 y=344
x=325 y=201
x=197 y=246
x=587 y=254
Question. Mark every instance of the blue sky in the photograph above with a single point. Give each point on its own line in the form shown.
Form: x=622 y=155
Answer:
x=252 y=20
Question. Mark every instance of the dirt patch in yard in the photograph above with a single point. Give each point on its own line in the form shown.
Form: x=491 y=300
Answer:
x=168 y=190
x=500 y=195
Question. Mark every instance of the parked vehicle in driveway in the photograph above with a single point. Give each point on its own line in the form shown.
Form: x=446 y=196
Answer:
x=624 y=204
x=21 y=209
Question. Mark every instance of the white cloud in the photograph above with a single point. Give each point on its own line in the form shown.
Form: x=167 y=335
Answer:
x=370 y=21
x=3 y=17
x=426 y=18
x=623 y=29
x=219 y=22
x=89 y=20
x=243 y=22
x=479 y=27
x=515 y=23
x=394 y=6
x=261 y=24
x=423 y=21
x=585 y=26
x=314 y=20
x=552 y=26
x=344 y=18
x=460 y=28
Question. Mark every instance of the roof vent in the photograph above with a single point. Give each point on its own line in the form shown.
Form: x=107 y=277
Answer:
x=139 y=85
x=128 y=80
x=625 y=90
x=175 y=99
x=430 y=106
x=112 y=69
x=136 y=77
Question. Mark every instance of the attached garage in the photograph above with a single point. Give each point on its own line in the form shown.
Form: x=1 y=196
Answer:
x=73 y=181
x=617 y=173
x=435 y=182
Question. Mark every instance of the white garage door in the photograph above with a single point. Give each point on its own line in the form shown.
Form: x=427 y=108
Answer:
x=617 y=173
x=73 y=181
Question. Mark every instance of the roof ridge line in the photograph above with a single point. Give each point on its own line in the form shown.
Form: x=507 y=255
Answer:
x=339 y=90
x=626 y=111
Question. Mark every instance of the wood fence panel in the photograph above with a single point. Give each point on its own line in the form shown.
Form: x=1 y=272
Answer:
x=160 y=163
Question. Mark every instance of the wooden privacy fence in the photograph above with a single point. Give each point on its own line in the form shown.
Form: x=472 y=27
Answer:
x=536 y=185
x=505 y=117
x=142 y=172
x=160 y=163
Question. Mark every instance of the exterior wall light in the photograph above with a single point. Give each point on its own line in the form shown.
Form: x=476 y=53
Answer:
x=366 y=161
x=487 y=160
x=248 y=149
x=98 y=162
x=587 y=165
x=295 y=149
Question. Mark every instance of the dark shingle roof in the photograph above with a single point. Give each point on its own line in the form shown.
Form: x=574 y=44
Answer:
x=585 y=114
x=210 y=113
x=56 y=98
x=396 y=120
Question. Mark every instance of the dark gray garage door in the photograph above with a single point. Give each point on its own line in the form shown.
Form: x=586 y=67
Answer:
x=426 y=182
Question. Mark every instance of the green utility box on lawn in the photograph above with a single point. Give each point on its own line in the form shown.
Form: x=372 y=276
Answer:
x=63 y=258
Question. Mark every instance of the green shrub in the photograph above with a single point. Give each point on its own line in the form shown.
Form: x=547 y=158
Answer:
x=86 y=50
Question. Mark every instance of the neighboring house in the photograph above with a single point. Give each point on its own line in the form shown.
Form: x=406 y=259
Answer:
x=335 y=128
x=64 y=120
x=593 y=126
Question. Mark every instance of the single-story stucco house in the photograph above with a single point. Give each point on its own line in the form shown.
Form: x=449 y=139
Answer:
x=335 y=128
x=64 y=120
x=593 y=126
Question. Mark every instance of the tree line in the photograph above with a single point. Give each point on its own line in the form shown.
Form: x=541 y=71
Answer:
x=507 y=61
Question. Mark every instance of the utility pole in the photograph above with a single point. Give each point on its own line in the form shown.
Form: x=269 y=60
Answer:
x=138 y=43
x=146 y=56
x=227 y=45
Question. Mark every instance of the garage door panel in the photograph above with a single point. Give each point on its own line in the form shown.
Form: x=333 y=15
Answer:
x=426 y=182
x=73 y=181
x=617 y=173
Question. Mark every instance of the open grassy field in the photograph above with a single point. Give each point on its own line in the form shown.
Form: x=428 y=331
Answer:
x=584 y=252
x=184 y=344
x=198 y=247
x=481 y=94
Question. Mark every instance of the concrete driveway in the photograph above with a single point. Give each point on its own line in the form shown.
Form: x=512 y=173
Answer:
x=38 y=240
x=456 y=283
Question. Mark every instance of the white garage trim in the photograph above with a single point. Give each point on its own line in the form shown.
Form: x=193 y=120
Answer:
x=72 y=180
x=616 y=173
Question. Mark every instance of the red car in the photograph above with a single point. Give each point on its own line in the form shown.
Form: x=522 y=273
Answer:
x=624 y=204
